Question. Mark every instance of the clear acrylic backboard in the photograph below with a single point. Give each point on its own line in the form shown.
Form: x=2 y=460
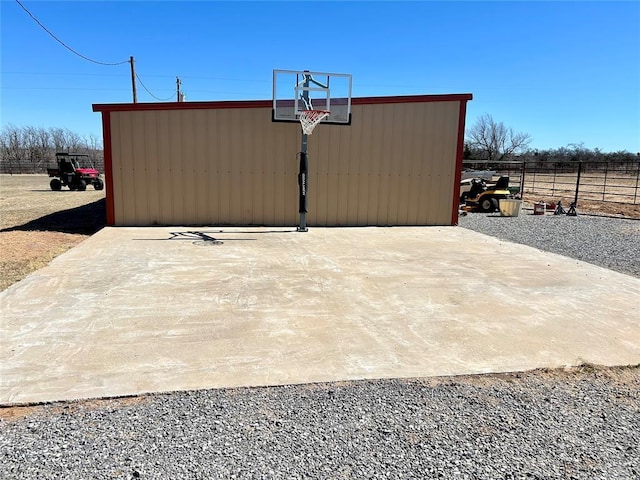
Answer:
x=296 y=91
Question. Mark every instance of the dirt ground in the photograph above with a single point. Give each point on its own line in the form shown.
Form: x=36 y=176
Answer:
x=591 y=207
x=38 y=224
x=625 y=377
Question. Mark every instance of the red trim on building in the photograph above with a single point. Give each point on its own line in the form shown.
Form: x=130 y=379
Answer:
x=133 y=107
x=459 y=154
x=108 y=167
x=129 y=107
x=452 y=97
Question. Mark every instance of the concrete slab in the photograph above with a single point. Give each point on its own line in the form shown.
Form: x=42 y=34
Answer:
x=135 y=310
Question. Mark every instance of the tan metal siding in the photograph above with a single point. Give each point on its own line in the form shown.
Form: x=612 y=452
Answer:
x=395 y=165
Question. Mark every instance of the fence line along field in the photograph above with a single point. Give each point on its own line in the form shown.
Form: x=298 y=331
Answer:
x=618 y=189
x=37 y=224
x=617 y=196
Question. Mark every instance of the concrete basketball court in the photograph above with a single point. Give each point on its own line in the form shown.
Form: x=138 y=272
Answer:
x=137 y=310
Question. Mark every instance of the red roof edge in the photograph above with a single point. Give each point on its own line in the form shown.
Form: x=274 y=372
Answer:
x=129 y=107
x=449 y=97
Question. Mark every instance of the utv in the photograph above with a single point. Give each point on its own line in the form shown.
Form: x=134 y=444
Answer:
x=75 y=170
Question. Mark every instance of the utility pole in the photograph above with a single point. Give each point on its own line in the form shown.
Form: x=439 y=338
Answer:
x=178 y=95
x=133 y=80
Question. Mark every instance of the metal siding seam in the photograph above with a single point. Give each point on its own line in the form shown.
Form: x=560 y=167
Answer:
x=165 y=168
x=201 y=118
x=187 y=144
x=417 y=166
x=430 y=135
x=127 y=170
x=270 y=146
x=213 y=202
x=151 y=172
x=372 y=153
x=345 y=203
x=385 y=153
x=177 y=198
x=224 y=166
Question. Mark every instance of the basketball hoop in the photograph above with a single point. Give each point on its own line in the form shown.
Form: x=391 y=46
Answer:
x=310 y=118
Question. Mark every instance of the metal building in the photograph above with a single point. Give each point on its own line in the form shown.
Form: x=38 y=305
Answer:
x=227 y=163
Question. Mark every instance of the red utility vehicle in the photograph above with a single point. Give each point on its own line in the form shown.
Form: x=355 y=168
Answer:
x=75 y=170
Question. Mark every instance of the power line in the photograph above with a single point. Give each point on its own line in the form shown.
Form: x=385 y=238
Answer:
x=64 y=44
x=73 y=74
x=92 y=89
x=90 y=59
x=144 y=86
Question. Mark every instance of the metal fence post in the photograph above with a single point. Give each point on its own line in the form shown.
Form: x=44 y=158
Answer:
x=572 y=212
x=575 y=200
x=635 y=193
x=604 y=186
x=524 y=169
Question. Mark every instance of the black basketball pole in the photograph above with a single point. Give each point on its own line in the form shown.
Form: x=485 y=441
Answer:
x=303 y=176
x=302 y=187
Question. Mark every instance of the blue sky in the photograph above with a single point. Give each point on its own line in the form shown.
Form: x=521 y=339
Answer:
x=564 y=72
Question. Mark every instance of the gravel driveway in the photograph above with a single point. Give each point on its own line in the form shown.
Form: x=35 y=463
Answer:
x=609 y=242
x=578 y=424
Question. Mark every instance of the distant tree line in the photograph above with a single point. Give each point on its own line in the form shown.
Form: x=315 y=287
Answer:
x=32 y=149
x=491 y=142
x=569 y=154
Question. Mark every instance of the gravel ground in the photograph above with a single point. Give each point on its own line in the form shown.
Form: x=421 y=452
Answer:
x=581 y=424
x=609 y=242
x=577 y=424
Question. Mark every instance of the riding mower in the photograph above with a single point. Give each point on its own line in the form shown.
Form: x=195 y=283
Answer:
x=483 y=198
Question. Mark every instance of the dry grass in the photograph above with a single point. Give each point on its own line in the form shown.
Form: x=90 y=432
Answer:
x=37 y=224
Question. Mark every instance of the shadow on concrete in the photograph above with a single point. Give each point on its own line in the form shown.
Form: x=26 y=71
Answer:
x=86 y=219
x=198 y=236
x=201 y=238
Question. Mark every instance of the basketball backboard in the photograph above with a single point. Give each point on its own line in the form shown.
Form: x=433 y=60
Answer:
x=295 y=91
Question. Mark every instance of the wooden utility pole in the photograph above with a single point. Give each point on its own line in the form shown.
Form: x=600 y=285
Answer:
x=178 y=83
x=133 y=79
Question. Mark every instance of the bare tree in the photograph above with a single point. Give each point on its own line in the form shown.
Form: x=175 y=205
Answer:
x=36 y=148
x=74 y=141
x=45 y=148
x=94 y=145
x=11 y=146
x=494 y=140
x=58 y=139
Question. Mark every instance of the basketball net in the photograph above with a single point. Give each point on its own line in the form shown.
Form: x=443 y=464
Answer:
x=310 y=118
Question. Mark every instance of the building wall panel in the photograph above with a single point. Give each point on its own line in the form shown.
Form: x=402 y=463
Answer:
x=394 y=165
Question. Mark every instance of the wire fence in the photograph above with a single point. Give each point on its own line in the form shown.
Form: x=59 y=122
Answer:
x=23 y=167
x=612 y=182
